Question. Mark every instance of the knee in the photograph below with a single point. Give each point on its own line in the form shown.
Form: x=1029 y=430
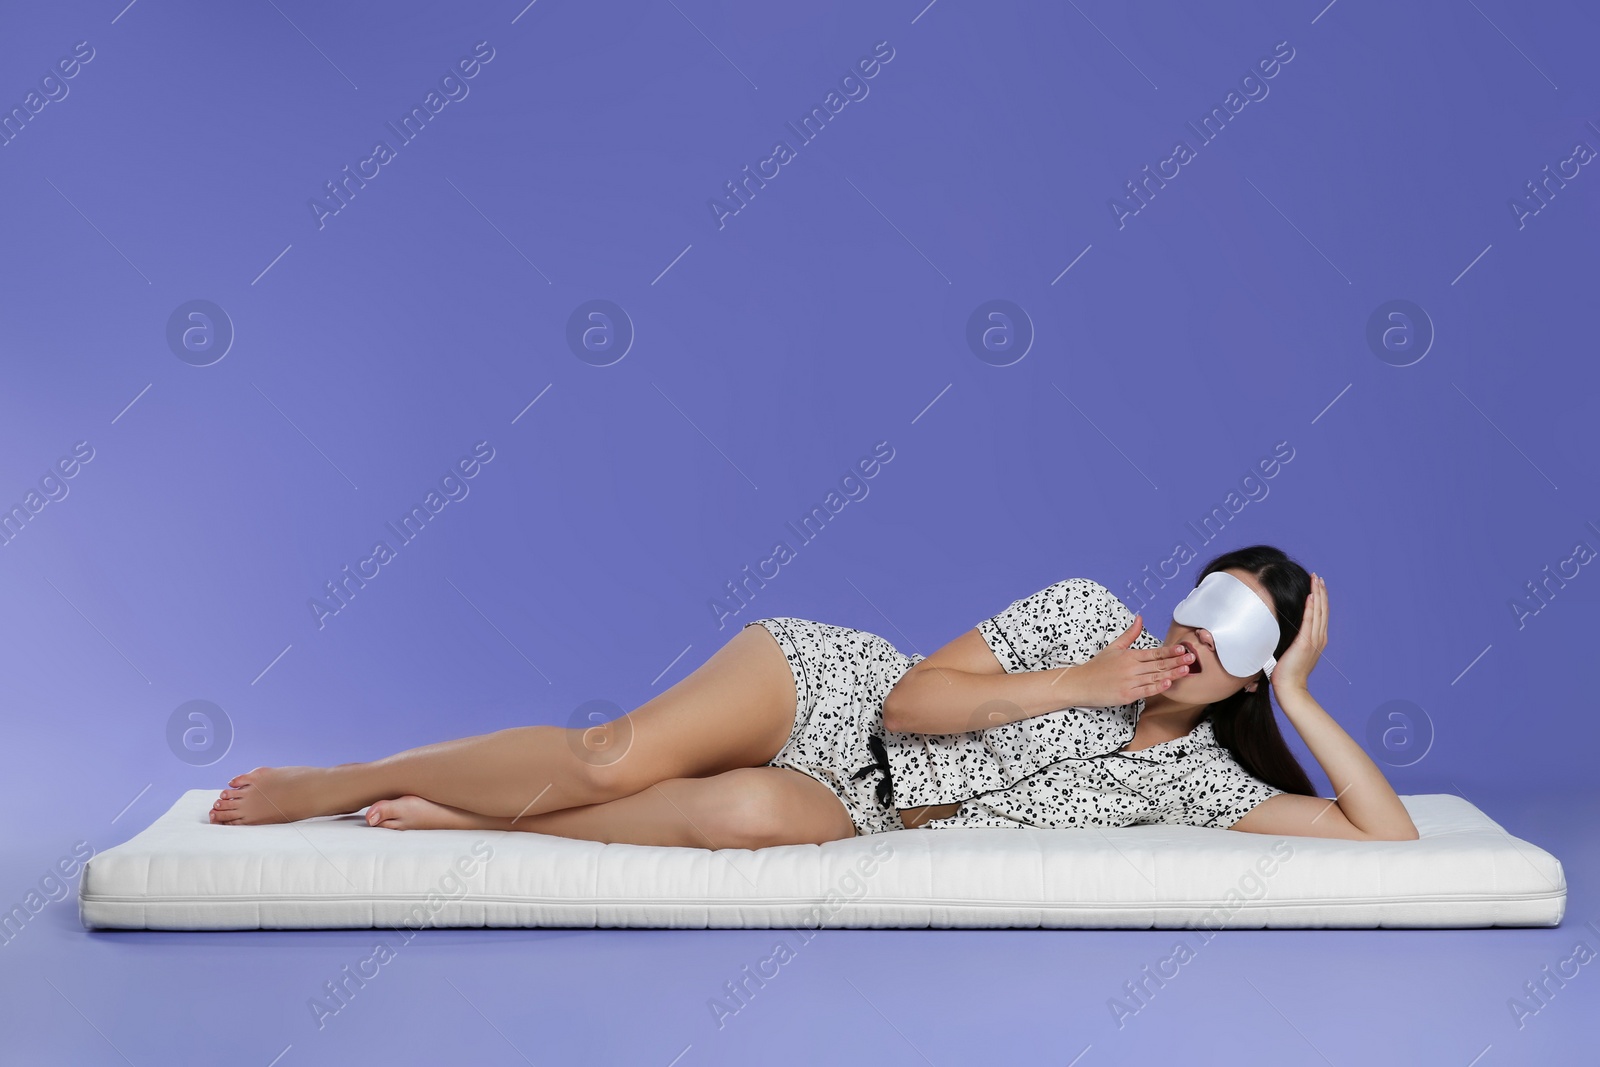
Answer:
x=750 y=812
x=602 y=767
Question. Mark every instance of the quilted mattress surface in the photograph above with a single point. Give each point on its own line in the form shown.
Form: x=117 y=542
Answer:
x=182 y=873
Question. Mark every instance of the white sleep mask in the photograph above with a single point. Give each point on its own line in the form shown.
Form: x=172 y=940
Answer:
x=1242 y=627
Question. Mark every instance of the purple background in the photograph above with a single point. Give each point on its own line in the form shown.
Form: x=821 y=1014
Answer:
x=829 y=313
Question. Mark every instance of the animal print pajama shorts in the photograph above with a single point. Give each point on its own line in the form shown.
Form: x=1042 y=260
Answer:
x=841 y=678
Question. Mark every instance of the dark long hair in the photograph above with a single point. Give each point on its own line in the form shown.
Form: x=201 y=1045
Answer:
x=1244 y=723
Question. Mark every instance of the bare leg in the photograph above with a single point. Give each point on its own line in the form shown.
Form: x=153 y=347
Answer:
x=746 y=808
x=734 y=710
x=913 y=818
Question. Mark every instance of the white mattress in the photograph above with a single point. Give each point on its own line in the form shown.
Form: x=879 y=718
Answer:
x=182 y=873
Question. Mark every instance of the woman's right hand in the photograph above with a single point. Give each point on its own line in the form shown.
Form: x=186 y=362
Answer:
x=1120 y=674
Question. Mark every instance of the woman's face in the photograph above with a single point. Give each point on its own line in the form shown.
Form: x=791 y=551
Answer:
x=1207 y=682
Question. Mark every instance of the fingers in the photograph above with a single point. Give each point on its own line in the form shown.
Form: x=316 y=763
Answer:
x=1162 y=676
x=1166 y=673
x=1313 y=630
x=1322 y=611
x=1150 y=689
x=1162 y=658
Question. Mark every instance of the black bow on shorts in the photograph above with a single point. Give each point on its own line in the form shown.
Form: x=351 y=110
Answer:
x=880 y=756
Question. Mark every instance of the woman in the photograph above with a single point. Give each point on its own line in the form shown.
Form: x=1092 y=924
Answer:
x=1060 y=711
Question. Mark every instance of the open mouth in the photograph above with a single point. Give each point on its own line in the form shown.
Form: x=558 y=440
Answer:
x=1194 y=668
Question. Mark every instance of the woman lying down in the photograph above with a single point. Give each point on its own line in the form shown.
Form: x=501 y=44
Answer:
x=1060 y=711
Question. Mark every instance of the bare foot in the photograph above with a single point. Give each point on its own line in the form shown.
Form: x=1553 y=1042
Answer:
x=415 y=813
x=274 y=794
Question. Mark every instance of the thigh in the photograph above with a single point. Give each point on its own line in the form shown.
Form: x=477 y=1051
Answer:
x=754 y=807
x=735 y=710
x=749 y=807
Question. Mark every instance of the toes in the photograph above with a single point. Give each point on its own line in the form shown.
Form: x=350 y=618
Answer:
x=245 y=778
x=226 y=810
x=385 y=814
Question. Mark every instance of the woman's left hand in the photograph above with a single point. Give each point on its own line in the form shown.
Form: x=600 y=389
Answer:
x=1294 y=669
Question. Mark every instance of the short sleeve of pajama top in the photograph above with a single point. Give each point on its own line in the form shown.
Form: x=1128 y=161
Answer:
x=1063 y=768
